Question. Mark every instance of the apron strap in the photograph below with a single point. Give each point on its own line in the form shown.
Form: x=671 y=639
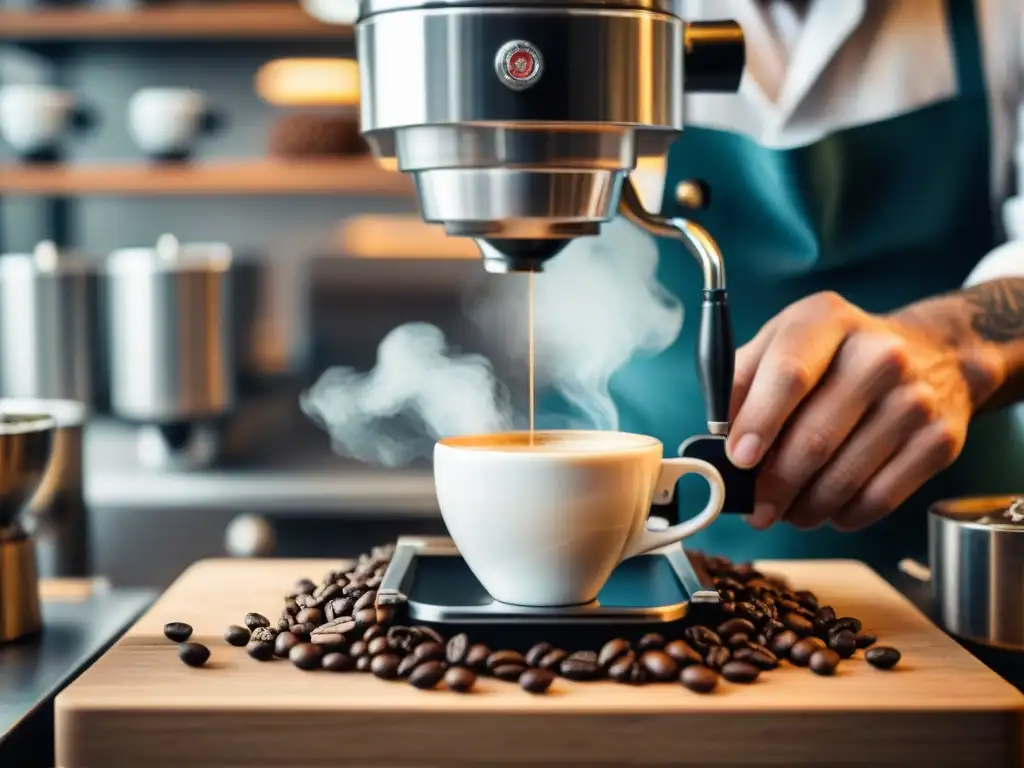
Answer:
x=966 y=35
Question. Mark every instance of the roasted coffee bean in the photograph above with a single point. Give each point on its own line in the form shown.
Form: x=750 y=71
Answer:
x=363 y=664
x=312 y=615
x=823 y=661
x=800 y=654
x=866 y=640
x=177 y=631
x=457 y=648
x=848 y=623
x=782 y=643
x=326 y=593
x=651 y=642
x=385 y=666
x=589 y=657
x=610 y=652
x=739 y=640
x=773 y=627
x=736 y=626
x=740 y=672
x=338 y=662
x=538 y=652
x=427 y=675
x=535 y=680
x=682 y=653
x=329 y=641
x=476 y=658
x=823 y=619
x=193 y=654
x=374 y=632
x=366 y=600
x=283 y=625
x=702 y=638
x=377 y=646
x=303 y=630
x=508 y=672
x=807 y=600
x=843 y=642
x=263 y=635
x=339 y=606
x=699 y=679
x=460 y=679
x=578 y=669
x=236 y=636
x=660 y=666
x=385 y=614
x=303 y=587
x=256 y=620
x=357 y=649
x=638 y=675
x=429 y=634
x=340 y=626
x=429 y=651
x=759 y=659
x=620 y=669
x=498 y=658
x=717 y=656
x=796 y=623
x=306 y=656
x=403 y=639
x=882 y=657
x=283 y=643
x=407 y=665
x=367 y=617
x=260 y=650
x=727 y=608
x=552 y=659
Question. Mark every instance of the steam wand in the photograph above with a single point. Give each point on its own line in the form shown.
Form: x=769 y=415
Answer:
x=716 y=350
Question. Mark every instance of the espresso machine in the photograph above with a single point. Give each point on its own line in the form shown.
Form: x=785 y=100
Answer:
x=520 y=124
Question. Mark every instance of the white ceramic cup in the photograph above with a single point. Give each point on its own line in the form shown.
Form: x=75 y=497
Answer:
x=545 y=525
x=33 y=117
x=166 y=121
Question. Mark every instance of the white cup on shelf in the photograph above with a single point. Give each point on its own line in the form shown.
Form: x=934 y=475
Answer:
x=165 y=123
x=33 y=118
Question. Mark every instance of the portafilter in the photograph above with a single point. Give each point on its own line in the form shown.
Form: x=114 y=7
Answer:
x=520 y=123
x=26 y=445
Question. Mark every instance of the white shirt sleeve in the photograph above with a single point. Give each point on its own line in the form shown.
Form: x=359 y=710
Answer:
x=1008 y=259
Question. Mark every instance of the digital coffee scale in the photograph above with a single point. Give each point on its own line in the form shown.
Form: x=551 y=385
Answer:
x=430 y=582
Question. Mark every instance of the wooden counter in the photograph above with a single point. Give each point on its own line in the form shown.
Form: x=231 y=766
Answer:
x=140 y=706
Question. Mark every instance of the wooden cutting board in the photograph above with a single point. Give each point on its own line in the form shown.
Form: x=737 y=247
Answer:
x=139 y=706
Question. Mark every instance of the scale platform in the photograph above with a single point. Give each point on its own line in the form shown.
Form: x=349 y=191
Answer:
x=431 y=583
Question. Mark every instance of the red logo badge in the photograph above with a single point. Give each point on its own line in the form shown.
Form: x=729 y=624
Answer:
x=521 y=65
x=518 y=64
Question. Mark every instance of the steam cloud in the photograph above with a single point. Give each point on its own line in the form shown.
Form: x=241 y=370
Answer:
x=596 y=306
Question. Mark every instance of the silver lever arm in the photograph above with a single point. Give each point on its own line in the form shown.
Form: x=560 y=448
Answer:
x=716 y=350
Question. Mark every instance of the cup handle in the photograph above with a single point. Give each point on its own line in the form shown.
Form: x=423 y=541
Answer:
x=672 y=470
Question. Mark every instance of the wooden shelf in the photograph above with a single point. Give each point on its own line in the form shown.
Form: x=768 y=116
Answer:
x=219 y=20
x=359 y=176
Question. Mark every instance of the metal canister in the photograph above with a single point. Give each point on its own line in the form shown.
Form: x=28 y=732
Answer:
x=48 y=313
x=56 y=516
x=170 y=332
x=976 y=554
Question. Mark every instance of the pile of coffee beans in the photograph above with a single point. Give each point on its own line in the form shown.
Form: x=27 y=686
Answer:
x=760 y=624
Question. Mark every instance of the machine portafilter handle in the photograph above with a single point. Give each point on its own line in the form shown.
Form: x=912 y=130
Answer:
x=716 y=348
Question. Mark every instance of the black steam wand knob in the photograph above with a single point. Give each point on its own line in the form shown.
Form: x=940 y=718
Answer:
x=716 y=348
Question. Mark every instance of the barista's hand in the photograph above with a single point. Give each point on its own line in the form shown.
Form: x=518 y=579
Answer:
x=852 y=412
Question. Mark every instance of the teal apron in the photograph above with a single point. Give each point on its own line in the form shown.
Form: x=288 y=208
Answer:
x=884 y=214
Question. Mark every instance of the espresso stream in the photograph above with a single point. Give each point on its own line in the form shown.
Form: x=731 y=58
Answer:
x=530 y=353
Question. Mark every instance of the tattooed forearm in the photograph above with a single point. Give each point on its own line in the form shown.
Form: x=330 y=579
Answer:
x=997 y=310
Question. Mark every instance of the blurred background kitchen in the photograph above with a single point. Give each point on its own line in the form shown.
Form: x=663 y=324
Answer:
x=192 y=233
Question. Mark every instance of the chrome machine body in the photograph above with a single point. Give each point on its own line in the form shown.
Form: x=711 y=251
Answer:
x=520 y=123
